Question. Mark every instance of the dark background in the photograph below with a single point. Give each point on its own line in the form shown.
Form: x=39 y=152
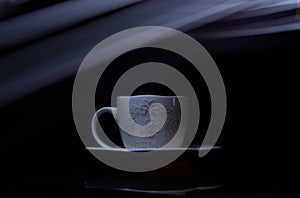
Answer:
x=42 y=154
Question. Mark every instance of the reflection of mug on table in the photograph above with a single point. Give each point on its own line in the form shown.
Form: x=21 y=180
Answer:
x=148 y=121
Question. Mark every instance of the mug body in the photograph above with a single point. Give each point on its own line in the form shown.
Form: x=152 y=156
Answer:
x=176 y=108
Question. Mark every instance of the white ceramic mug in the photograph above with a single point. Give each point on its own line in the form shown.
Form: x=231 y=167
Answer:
x=148 y=121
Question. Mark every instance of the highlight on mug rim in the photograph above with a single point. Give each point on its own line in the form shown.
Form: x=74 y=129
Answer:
x=156 y=96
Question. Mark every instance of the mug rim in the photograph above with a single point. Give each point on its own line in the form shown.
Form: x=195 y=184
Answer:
x=157 y=96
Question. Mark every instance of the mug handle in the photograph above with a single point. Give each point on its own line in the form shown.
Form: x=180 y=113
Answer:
x=98 y=113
